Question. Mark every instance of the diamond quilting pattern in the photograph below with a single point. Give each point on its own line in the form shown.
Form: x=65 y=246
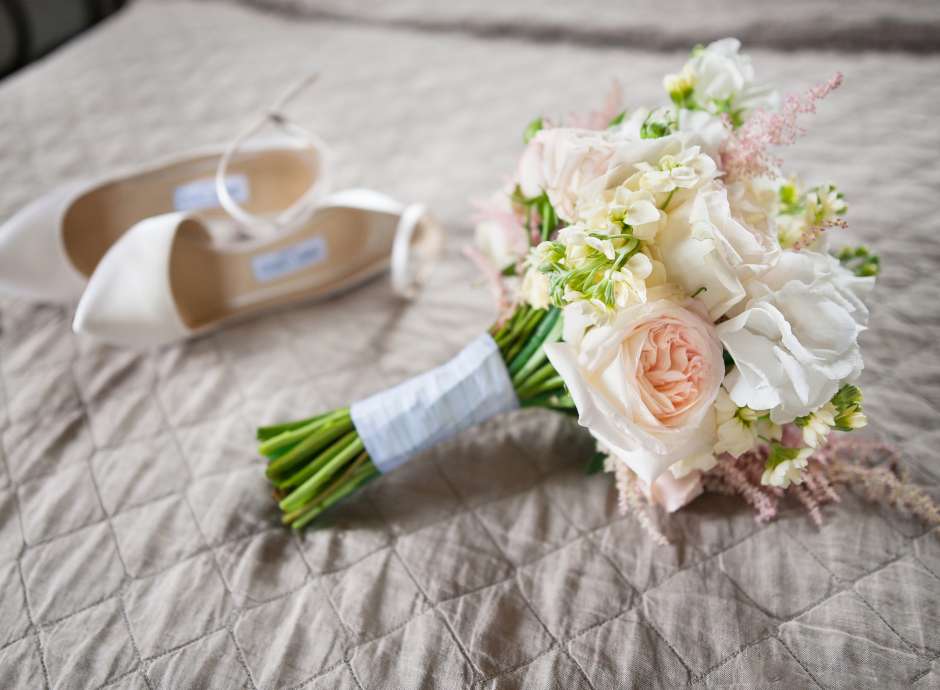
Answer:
x=132 y=511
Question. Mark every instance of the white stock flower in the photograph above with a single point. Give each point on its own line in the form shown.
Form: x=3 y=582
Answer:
x=817 y=425
x=609 y=210
x=796 y=341
x=702 y=245
x=824 y=203
x=737 y=426
x=685 y=169
x=575 y=166
x=630 y=281
x=787 y=472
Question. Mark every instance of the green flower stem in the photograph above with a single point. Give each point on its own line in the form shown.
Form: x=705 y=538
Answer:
x=355 y=482
x=314 y=466
x=555 y=384
x=316 y=462
x=529 y=325
x=546 y=371
x=331 y=489
x=510 y=330
x=539 y=335
x=537 y=354
x=266 y=432
x=319 y=438
x=308 y=490
x=288 y=437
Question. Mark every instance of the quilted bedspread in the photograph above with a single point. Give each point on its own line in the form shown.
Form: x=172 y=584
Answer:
x=139 y=545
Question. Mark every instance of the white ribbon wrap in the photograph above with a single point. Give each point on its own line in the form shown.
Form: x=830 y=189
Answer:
x=398 y=423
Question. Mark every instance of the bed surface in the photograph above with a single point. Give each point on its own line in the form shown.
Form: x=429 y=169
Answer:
x=139 y=546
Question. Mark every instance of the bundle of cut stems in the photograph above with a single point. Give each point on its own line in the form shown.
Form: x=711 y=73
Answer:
x=316 y=462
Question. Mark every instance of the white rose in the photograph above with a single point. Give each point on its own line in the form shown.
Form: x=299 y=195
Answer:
x=645 y=383
x=705 y=129
x=702 y=245
x=796 y=341
x=696 y=127
x=813 y=268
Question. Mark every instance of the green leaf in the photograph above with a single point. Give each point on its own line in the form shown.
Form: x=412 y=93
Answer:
x=595 y=464
x=532 y=129
x=860 y=261
x=617 y=119
x=509 y=270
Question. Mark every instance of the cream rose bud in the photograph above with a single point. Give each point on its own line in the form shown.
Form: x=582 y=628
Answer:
x=535 y=289
x=496 y=242
x=796 y=342
x=645 y=383
x=672 y=492
x=720 y=72
x=703 y=245
x=498 y=235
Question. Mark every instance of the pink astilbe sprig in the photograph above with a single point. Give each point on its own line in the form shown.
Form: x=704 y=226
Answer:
x=746 y=152
x=840 y=461
x=881 y=485
x=494 y=280
x=810 y=502
x=631 y=501
x=818 y=483
x=600 y=119
x=849 y=462
x=732 y=475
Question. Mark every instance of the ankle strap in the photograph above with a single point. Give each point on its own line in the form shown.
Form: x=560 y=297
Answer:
x=413 y=259
x=266 y=226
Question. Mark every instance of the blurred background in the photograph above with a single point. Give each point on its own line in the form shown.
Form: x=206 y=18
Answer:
x=31 y=28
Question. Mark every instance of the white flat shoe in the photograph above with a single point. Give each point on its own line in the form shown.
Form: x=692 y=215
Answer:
x=50 y=248
x=165 y=279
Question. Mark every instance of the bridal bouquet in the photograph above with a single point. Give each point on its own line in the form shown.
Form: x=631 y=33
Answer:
x=660 y=277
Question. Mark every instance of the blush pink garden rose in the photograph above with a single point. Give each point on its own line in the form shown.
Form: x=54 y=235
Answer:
x=645 y=384
x=562 y=160
x=569 y=164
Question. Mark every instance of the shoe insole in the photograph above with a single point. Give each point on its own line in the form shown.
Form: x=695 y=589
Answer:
x=335 y=249
x=262 y=182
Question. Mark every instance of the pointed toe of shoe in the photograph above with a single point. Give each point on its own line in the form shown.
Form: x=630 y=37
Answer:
x=33 y=262
x=128 y=301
